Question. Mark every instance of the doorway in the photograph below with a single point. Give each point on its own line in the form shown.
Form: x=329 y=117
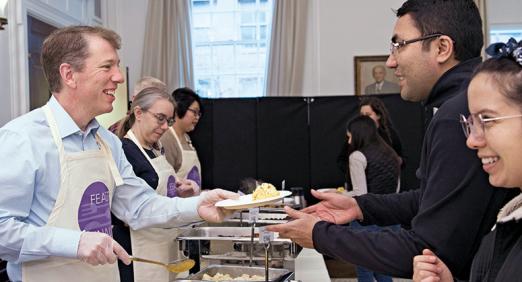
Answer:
x=39 y=92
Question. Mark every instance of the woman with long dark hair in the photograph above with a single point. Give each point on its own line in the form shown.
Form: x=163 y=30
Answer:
x=375 y=109
x=373 y=167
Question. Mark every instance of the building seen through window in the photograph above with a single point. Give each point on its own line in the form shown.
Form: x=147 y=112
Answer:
x=503 y=33
x=230 y=46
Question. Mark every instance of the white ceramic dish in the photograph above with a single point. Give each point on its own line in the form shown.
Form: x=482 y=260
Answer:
x=246 y=202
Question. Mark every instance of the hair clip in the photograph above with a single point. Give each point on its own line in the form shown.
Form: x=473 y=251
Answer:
x=511 y=49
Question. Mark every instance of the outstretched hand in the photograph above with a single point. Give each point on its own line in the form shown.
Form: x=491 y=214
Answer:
x=429 y=268
x=335 y=208
x=207 y=209
x=298 y=230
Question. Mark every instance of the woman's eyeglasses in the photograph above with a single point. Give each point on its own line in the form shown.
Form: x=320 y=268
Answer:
x=475 y=124
x=195 y=112
x=161 y=118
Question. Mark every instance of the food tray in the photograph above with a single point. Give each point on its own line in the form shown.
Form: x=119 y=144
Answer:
x=274 y=274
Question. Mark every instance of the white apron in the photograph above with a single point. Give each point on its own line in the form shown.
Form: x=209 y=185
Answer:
x=83 y=203
x=155 y=243
x=190 y=165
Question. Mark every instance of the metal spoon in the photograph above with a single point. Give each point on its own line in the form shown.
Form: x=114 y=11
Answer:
x=177 y=266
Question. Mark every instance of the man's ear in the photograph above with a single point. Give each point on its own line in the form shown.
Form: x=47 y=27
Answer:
x=446 y=49
x=67 y=75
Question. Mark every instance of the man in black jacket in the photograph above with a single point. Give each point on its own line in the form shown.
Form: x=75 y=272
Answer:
x=435 y=47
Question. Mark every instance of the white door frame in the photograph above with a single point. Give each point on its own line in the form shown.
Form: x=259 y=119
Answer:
x=18 y=10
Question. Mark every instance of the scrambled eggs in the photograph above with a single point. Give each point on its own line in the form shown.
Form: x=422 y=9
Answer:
x=263 y=191
x=227 y=277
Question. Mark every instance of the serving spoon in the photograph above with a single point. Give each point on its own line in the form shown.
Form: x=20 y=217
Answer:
x=177 y=266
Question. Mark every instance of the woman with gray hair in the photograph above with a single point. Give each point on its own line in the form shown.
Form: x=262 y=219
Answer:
x=150 y=116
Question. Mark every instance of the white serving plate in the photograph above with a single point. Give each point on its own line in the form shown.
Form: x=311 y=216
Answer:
x=246 y=202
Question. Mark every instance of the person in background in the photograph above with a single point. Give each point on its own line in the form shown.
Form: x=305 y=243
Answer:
x=182 y=155
x=373 y=168
x=376 y=110
x=142 y=83
x=66 y=173
x=178 y=147
x=455 y=205
x=494 y=130
x=381 y=85
x=151 y=115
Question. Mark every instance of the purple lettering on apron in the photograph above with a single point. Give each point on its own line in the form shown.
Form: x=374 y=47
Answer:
x=194 y=175
x=171 y=187
x=94 y=213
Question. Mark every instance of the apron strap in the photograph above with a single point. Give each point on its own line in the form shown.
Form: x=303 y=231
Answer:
x=54 y=129
x=61 y=151
x=133 y=138
x=118 y=180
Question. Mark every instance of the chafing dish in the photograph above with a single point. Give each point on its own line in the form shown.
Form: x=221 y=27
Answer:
x=236 y=234
x=275 y=274
x=234 y=245
x=241 y=219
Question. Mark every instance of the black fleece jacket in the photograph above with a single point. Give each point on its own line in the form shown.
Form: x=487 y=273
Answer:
x=450 y=213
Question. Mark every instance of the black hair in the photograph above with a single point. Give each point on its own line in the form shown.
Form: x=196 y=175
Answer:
x=458 y=19
x=363 y=131
x=184 y=97
x=384 y=117
x=364 y=134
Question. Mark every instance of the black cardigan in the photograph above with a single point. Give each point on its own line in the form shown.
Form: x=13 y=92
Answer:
x=450 y=213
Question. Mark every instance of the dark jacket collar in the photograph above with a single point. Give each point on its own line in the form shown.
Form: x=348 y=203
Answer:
x=451 y=82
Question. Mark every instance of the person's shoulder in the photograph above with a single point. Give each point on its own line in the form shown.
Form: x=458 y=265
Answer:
x=28 y=124
x=110 y=138
x=454 y=106
x=167 y=138
x=357 y=155
x=132 y=151
x=128 y=144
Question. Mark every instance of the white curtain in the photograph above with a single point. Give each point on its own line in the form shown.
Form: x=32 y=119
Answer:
x=167 y=52
x=287 y=48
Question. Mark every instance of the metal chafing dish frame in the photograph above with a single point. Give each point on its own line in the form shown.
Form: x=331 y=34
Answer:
x=239 y=236
x=236 y=234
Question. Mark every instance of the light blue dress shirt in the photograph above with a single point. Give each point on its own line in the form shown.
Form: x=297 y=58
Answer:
x=30 y=181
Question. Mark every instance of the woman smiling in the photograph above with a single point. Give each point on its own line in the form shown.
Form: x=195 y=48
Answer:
x=494 y=130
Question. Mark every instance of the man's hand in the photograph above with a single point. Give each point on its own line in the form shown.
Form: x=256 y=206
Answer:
x=298 y=230
x=99 y=248
x=186 y=188
x=429 y=268
x=335 y=208
x=206 y=208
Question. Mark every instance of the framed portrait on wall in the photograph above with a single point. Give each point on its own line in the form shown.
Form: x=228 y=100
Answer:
x=373 y=77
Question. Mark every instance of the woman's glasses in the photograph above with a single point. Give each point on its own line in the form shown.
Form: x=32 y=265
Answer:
x=475 y=124
x=161 y=118
x=195 y=112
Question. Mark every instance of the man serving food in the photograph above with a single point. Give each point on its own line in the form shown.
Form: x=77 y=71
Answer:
x=67 y=173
